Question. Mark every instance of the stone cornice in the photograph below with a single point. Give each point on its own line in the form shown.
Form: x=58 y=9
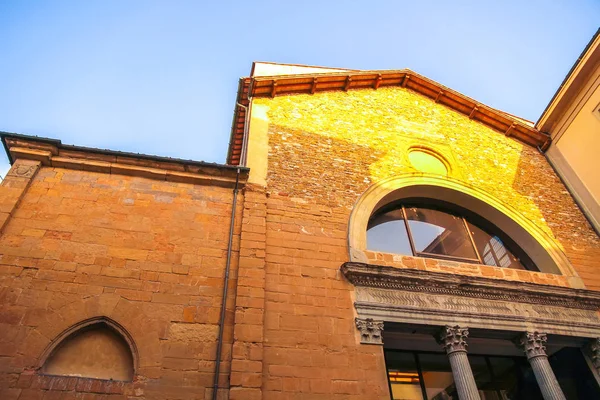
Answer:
x=271 y=86
x=53 y=153
x=384 y=277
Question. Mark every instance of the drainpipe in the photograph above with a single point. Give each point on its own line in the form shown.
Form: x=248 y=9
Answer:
x=570 y=190
x=225 y=287
x=245 y=135
x=244 y=154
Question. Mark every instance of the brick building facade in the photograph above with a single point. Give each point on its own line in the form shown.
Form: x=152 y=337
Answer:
x=113 y=266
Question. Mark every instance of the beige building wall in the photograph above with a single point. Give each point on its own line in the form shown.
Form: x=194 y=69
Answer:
x=576 y=142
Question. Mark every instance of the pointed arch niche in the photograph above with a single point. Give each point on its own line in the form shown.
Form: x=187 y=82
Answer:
x=541 y=248
x=97 y=348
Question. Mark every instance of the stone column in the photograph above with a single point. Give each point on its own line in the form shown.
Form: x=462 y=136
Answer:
x=534 y=346
x=454 y=341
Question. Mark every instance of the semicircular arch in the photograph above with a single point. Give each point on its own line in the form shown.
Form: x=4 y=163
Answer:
x=539 y=246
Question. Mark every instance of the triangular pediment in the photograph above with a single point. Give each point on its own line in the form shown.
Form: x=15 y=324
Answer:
x=292 y=79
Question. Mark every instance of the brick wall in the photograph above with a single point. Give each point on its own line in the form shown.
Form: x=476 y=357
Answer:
x=329 y=147
x=148 y=254
x=325 y=150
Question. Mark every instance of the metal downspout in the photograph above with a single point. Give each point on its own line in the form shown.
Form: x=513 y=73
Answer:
x=248 y=108
x=225 y=287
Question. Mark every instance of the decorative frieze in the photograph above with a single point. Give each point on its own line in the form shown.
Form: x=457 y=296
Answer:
x=407 y=279
x=533 y=344
x=453 y=338
x=437 y=309
x=370 y=330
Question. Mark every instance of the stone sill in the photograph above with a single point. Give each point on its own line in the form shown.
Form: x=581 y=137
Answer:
x=73 y=383
x=468 y=269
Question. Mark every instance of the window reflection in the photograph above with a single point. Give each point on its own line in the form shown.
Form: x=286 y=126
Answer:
x=403 y=376
x=428 y=376
x=414 y=375
x=387 y=233
x=434 y=232
x=492 y=250
x=437 y=376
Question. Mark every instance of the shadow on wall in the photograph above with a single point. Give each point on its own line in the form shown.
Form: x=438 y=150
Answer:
x=319 y=168
x=336 y=172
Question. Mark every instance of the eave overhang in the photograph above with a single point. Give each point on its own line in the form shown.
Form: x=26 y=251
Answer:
x=51 y=152
x=271 y=86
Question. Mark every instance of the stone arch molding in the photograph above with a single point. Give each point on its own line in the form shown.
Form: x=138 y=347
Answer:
x=545 y=252
x=89 y=325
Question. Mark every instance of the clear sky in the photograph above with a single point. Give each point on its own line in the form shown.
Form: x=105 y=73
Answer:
x=160 y=77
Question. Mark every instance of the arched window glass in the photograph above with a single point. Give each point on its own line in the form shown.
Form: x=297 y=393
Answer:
x=434 y=230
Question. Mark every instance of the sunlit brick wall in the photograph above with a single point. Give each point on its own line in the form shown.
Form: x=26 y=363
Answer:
x=325 y=150
x=148 y=254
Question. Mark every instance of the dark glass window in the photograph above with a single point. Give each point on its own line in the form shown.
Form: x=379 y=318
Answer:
x=405 y=381
x=574 y=375
x=421 y=375
x=435 y=231
x=437 y=376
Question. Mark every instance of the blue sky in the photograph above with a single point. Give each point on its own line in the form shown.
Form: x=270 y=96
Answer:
x=160 y=77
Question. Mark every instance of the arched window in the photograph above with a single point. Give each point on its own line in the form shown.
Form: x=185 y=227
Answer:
x=428 y=228
x=93 y=349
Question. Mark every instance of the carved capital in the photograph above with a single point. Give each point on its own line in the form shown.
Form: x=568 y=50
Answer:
x=370 y=330
x=595 y=350
x=453 y=338
x=22 y=169
x=533 y=344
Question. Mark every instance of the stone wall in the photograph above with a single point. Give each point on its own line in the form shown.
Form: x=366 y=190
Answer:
x=324 y=151
x=328 y=148
x=147 y=254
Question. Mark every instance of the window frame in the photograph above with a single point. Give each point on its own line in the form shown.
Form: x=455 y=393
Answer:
x=467 y=217
x=518 y=360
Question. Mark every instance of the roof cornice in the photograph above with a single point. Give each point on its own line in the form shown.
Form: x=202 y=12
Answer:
x=271 y=86
x=577 y=77
x=51 y=152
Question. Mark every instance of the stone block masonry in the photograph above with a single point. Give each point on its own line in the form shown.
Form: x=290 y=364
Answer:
x=143 y=242
x=145 y=253
x=328 y=148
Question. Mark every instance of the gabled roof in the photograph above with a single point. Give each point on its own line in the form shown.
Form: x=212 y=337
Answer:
x=309 y=80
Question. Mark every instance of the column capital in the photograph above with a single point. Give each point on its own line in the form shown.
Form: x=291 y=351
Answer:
x=595 y=350
x=533 y=344
x=370 y=330
x=453 y=338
